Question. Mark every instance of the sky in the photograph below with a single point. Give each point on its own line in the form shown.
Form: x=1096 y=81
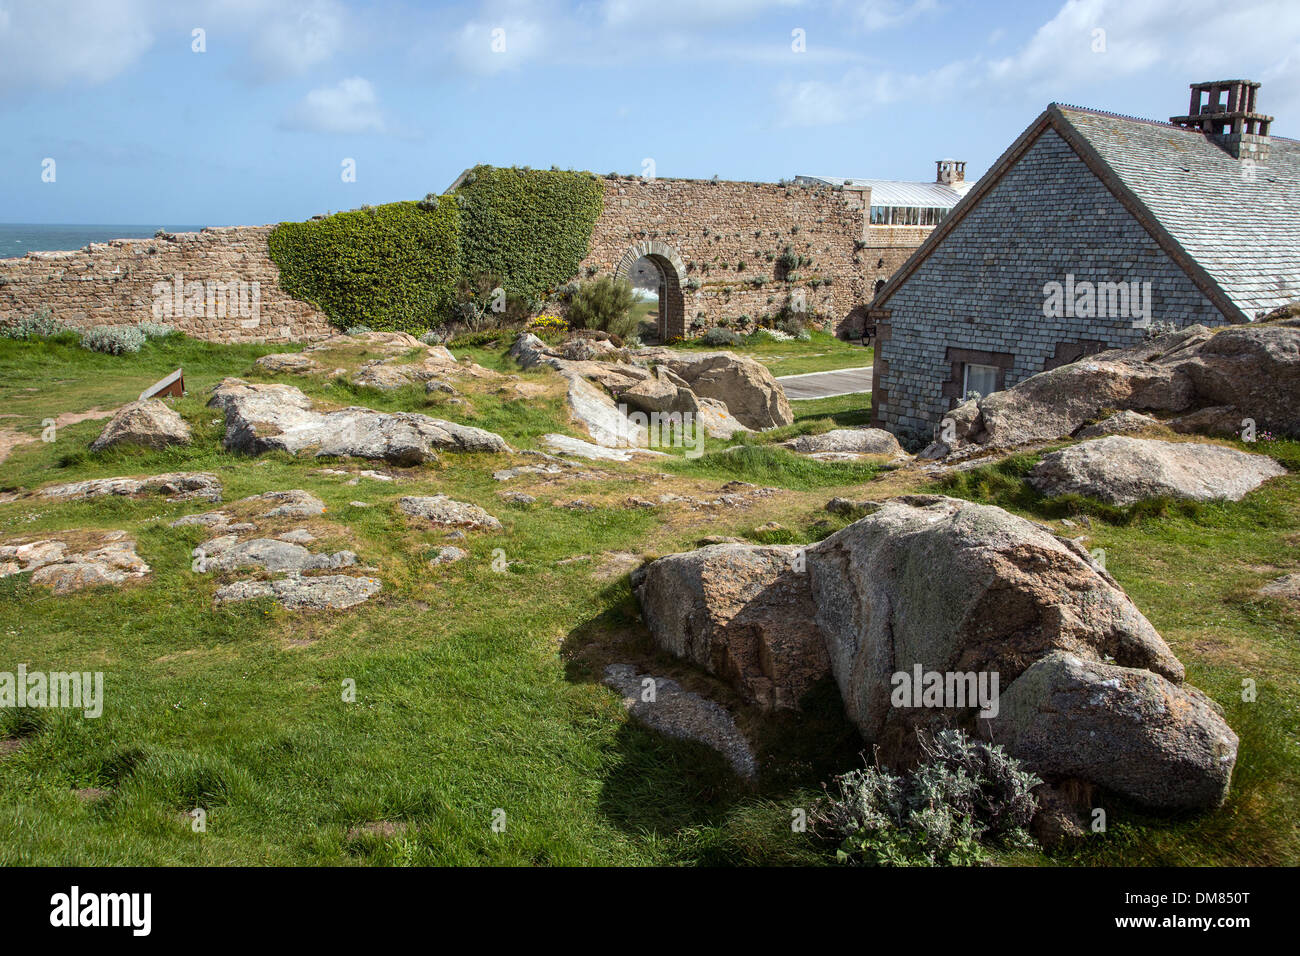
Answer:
x=226 y=112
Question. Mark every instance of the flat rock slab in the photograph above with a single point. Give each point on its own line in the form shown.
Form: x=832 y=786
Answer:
x=177 y=486
x=291 y=362
x=327 y=592
x=1121 y=423
x=860 y=441
x=277 y=417
x=294 y=503
x=150 y=423
x=567 y=445
x=222 y=521
x=111 y=560
x=679 y=713
x=228 y=553
x=1121 y=470
x=448 y=513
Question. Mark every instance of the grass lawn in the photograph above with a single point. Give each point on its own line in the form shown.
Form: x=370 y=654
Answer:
x=822 y=353
x=477 y=687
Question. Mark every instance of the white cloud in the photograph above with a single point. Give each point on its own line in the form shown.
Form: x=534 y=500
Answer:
x=492 y=46
x=1064 y=60
x=58 y=43
x=873 y=15
x=351 y=106
x=686 y=13
x=288 y=39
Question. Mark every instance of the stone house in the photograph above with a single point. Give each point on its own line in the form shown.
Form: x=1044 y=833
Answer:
x=1089 y=231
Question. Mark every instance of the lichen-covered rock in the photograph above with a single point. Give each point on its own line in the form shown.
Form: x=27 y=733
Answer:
x=445 y=512
x=150 y=423
x=293 y=363
x=333 y=592
x=108 y=558
x=177 y=486
x=280 y=417
x=1121 y=470
x=1132 y=730
x=227 y=553
x=293 y=503
x=750 y=392
x=741 y=612
x=860 y=441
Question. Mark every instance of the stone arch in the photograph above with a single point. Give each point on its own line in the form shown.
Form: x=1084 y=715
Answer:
x=672 y=275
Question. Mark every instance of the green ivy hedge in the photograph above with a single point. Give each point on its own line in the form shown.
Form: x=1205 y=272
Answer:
x=529 y=228
x=391 y=267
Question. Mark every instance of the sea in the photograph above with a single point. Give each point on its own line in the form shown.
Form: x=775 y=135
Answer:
x=19 y=238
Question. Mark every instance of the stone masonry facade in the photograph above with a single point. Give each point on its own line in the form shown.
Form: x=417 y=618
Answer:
x=979 y=295
x=118 y=283
x=719 y=244
x=728 y=237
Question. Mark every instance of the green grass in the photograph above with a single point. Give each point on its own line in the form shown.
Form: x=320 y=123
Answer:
x=478 y=690
x=822 y=353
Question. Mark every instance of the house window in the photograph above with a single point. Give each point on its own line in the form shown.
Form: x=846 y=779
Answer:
x=979 y=378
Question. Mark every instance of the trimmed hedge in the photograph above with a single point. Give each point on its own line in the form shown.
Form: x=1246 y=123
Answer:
x=392 y=267
x=529 y=228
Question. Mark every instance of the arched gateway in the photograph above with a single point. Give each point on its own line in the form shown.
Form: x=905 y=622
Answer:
x=672 y=273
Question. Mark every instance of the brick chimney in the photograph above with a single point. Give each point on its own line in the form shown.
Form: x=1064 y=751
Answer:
x=1232 y=123
x=950 y=172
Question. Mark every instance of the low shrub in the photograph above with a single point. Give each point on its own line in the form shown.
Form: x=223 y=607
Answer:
x=155 y=330
x=113 y=339
x=41 y=324
x=720 y=336
x=604 y=304
x=357 y=330
x=966 y=796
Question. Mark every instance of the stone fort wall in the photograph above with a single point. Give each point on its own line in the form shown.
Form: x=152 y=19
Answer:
x=729 y=236
x=726 y=237
x=118 y=283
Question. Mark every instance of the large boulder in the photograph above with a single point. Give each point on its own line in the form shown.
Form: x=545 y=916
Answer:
x=1211 y=379
x=746 y=387
x=858 y=441
x=594 y=410
x=741 y=612
x=280 y=417
x=952 y=586
x=151 y=423
x=927 y=586
x=1056 y=403
x=1121 y=470
x=1153 y=741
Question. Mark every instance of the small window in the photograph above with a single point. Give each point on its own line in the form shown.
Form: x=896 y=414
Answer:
x=979 y=378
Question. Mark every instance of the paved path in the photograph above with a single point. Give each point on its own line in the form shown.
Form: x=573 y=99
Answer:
x=845 y=381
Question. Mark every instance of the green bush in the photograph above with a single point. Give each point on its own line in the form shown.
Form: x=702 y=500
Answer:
x=604 y=304
x=113 y=339
x=41 y=324
x=965 y=796
x=720 y=336
x=528 y=228
x=392 y=267
x=155 y=330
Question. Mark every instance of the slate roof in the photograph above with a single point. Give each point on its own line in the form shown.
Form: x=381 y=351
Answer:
x=1245 y=234
x=1237 y=237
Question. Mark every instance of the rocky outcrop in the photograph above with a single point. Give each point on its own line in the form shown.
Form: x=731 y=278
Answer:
x=106 y=558
x=176 y=486
x=1121 y=423
x=444 y=512
x=742 y=613
x=294 y=503
x=291 y=363
x=858 y=441
x=1153 y=741
x=330 y=592
x=228 y=553
x=1209 y=379
x=1121 y=470
x=276 y=417
x=750 y=392
x=931 y=585
x=151 y=423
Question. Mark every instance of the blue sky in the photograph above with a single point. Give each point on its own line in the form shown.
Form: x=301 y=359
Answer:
x=143 y=129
